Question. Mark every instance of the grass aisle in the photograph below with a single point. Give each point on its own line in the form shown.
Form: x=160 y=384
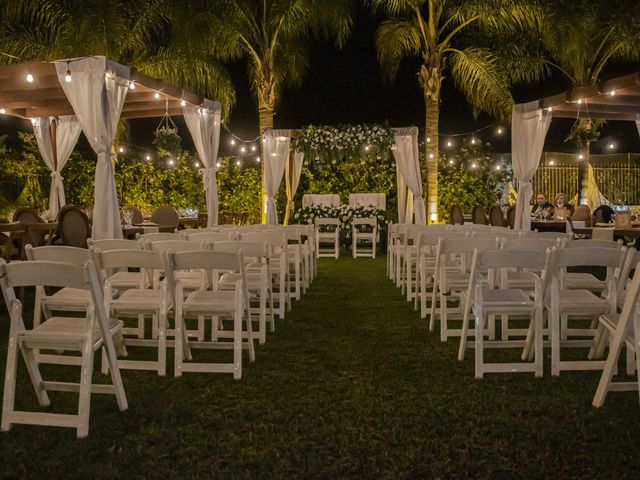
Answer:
x=351 y=385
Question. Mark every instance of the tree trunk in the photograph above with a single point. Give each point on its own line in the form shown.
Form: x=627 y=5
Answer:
x=430 y=78
x=265 y=110
x=431 y=155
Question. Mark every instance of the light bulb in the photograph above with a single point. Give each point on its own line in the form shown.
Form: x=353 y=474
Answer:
x=499 y=131
x=450 y=162
x=580 y=157
x=148 y=157
x=428 y=139
x=238 y=163
x=218 y=165
x=579 y=101
x=552 y=163
x=473 y=165
x=121 y=149
x=253 y=148
x=183 y=103
x=29 y=77
x=473 y=141
x=498 y=167
x=431 y=155
x=67 y=77
x=274 y=154
x=132 y=86
x=232 y=142
x=33 y=121
x=550 y=109
x=242 y=149
x=171 y=162
x=613 y=93
x=156 y=96
x=366 y=148
x=197 y=164
x=258 y=159
x=611 y=146
x=2 y=111
x=449 y=144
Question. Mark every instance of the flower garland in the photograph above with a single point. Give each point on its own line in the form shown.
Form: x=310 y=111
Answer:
x=331 y=143
x=344 y=213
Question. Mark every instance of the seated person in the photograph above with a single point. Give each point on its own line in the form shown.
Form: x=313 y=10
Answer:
x=561 y=202
x=542 y=208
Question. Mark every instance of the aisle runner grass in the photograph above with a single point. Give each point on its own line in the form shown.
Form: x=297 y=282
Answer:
x=351 y=385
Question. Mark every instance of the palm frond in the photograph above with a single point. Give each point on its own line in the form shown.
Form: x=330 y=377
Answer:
x=396 y=40
x=476 y=72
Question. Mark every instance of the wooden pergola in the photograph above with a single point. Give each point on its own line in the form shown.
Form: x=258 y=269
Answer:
x=44 y=96
x=616 y=99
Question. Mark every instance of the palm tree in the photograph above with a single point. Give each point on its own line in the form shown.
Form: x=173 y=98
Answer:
x=443 y=34
x=137 y=33
x=273 y=36
x=582 y=38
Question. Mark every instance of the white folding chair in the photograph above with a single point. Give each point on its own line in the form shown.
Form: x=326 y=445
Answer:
x=219 y=236
x=364 y=234
x=257 y=277
x=327 y=233
x=586 y=280
x=142 y=303
x=62 y=334
x=624 y=329
x=452 y=279
x=278 y=266
x=122 y=279
x=147 y=238
x=489 y=300
x=580 y=304
x=65 y=299
x=223 y=304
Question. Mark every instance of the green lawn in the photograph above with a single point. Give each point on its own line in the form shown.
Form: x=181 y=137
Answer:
x=351 y=385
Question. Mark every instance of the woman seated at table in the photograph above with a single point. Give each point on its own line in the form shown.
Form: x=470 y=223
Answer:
x=542 y=210
x=562 y=208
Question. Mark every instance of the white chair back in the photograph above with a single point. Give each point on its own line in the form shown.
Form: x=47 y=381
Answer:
x=114 y=244
x=58 y=253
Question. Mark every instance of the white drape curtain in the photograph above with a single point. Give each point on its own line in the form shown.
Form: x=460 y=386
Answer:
x=204 y=125
x=67 y=130
x=405 y=152
x=97 y=93
x=638 y=122
x=402 y=196
x=529 y=126
x=293 y=170
x=276 y=154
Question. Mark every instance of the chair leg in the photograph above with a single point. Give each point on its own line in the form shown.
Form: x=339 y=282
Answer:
x=237 y=344
x=479 y=340
x=610 y=364
x=554 y=327
x=84 y=403
x=34 y=374
x=539 y=346
x=263 y=316
x=162 y=344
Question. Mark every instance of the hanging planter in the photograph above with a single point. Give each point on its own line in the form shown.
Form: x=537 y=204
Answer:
x=167 y=140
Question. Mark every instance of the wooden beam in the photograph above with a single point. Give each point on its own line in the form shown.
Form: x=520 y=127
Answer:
x=595 y=115
x=151 y=113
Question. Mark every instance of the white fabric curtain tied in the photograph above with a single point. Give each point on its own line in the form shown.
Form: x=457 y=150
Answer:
x=405 y=152
x=276 y=153
x=67 y=131
x=528 y=132
x=97 y=94
x=293 y=171
x=204 y=125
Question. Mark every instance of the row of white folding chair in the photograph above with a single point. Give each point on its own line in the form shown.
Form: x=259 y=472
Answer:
x=62 y=334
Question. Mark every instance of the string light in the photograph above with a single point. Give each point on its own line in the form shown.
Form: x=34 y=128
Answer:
x=196 y=164
x=253 y=148
x=500 y=130
x=121 y=149
x=613 y=93
x=183 y=103
x=580 y=157
x=156 y=96
x=366 y=148
x=473 y=141
x=258 y=159
x=132 y=86
x=33 y=121
x=148 y=157
x=473 y=165
x=2 y=111
x=232 y=142
x=450 y=162
x=242 y=149
x=218 y=165
x=431 y=155
x=171 y=162
x=552 y=163
x=611 y=146
x=67 y=77
x=428 y=139
x=579 y=101
x=30 y=77
x=238 y=163
x=498 y=167
x=449 y=144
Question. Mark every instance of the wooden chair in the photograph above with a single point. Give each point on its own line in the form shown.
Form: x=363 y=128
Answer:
x=325 y=235
x=511 y=216
x=456 y=216
x=224 y=304
x=364 y=231
x=603 y=214
x=29 y=217
x=496 y=217
x=166 y=217
x=479 y=216
x=74 y=227
x=62 y=334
